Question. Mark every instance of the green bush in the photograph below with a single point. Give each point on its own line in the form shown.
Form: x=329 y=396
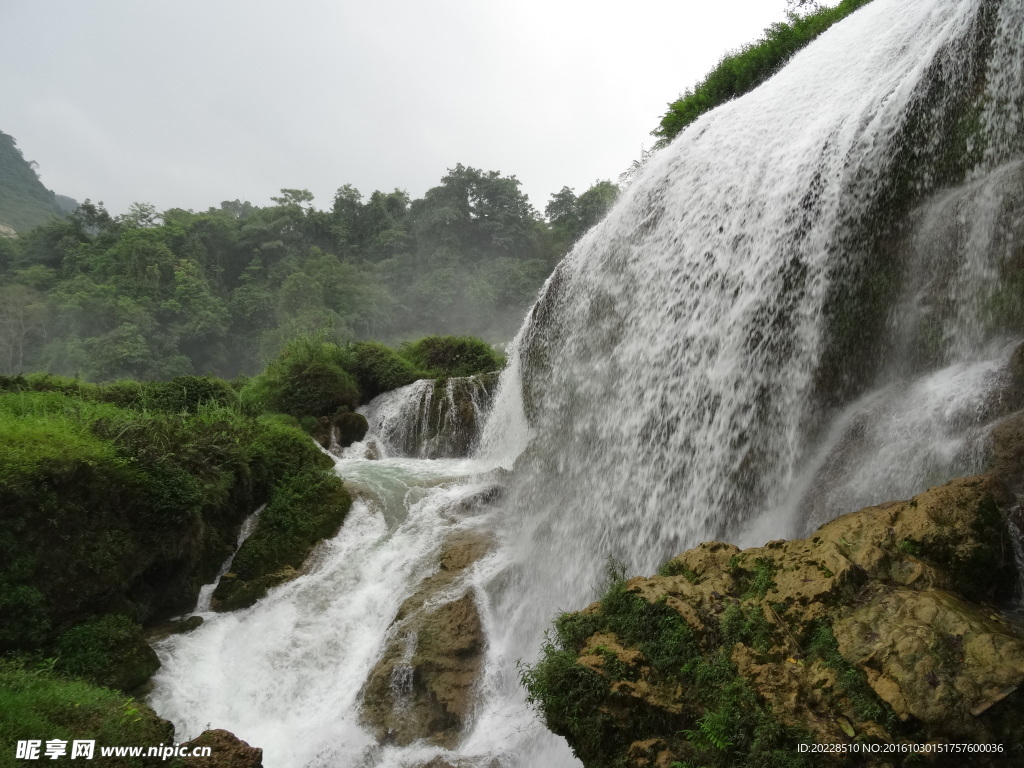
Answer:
x=306 y=379
x=378 y=368
x=741 y=72
x=109 y=651
x=447 y=356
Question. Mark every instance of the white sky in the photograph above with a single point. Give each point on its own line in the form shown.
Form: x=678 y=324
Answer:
x=187 y=103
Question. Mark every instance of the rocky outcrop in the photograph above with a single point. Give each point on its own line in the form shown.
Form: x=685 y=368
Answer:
x=303 y=512
x=879 y=628
x=423 y=685
x=226 y=751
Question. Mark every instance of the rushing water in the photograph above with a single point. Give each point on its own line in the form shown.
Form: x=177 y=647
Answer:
x=797 y=310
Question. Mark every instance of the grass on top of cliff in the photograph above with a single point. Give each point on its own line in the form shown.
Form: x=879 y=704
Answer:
x=741 y=72
x=722 y=723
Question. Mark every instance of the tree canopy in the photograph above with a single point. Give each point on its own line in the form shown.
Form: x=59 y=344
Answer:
x=152 y=295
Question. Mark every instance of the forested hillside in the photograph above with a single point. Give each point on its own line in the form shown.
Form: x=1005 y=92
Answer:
x=24 y=201
x=153 y=295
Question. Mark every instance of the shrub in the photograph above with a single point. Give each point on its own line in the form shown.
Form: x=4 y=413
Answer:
x=741 y=72
x=306 y=379
x=109 y=651
x=378 y=368
x=446 y=356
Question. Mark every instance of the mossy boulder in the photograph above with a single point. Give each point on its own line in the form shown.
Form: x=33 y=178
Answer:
x=880 y=627
x=340 y=430
x=111 y=510
x=303 y=511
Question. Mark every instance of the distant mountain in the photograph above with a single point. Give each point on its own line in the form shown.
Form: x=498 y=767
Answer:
x=24 y=201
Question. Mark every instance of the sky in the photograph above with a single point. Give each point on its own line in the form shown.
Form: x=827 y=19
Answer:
x=188 y=103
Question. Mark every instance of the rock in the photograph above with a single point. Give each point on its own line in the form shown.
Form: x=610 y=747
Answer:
x=878 y=625
x=226 y=751
x=307 y=509
x=423 y=686
x=173 y=627
x=441 y=419
x=340 y=430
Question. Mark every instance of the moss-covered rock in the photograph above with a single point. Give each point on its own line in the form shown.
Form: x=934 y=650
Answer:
x=226 y=751
x=877 y=628
x=109 y=651
x=111 y=510
x=303 y=511
x=340 y=430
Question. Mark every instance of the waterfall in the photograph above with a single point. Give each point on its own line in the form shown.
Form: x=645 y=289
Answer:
x=430 y=419
x=807 y=303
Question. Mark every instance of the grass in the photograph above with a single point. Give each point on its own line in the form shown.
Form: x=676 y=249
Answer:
x=741 y=72
x=38 y=703
x=137 y=502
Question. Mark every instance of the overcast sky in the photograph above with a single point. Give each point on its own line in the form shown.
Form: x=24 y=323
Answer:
x=187 y=103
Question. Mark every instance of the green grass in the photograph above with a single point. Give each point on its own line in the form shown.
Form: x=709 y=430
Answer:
x=137 y=503
x=37 y=703
x=741 y=72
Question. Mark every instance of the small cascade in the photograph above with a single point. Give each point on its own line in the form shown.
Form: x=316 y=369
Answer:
x=402 y=675
x=203 y=604
x=431 y=419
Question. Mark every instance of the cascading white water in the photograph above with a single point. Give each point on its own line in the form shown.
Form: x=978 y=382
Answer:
x=685 y=375
x=427 y=420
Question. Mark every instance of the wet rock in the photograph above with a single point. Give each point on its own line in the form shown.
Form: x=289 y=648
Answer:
x=880 y=626
x=423 y=686
x=173 y=627
x=226 y=751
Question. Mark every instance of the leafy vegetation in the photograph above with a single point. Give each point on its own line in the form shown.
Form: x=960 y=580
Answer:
x=741 y=72
x=153 y=295
x=24 y=201
x=822 y=645
x=38 y=703
x=121 y=500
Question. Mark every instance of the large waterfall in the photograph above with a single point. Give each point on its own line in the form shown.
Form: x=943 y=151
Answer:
x=808 y=302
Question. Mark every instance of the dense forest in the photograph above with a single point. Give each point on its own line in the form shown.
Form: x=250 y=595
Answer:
x=152 y=295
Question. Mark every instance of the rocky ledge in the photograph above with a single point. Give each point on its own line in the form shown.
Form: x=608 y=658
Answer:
x=879 y=629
